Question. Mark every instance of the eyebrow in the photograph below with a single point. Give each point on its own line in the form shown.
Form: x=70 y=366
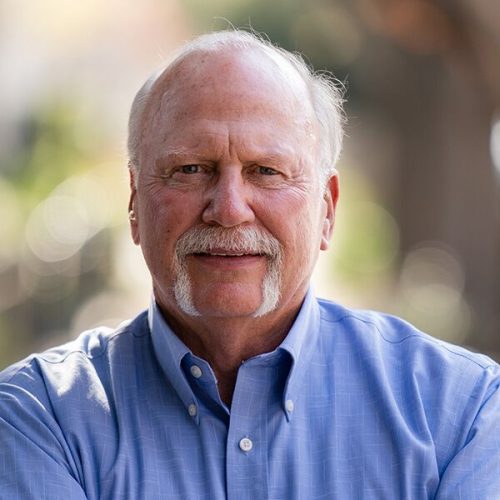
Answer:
x=181 y=155
x=271 y=159
x=178 y=156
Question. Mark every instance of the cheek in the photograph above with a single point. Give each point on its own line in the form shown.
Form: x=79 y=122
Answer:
x=167 y=215
x=306 y=239
x=291 y=217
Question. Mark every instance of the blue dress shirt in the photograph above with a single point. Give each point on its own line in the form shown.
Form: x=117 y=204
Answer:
x=352 y=405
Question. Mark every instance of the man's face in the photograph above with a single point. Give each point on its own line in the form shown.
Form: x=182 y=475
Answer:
x=230 y=211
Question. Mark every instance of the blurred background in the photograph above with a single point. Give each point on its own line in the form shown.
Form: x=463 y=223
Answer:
x=418 y=225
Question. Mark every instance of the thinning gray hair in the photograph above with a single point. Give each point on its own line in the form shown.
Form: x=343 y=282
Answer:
x=326 y=93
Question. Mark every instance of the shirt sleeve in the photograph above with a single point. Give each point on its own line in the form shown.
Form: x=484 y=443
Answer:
x=35 y=463
x=474 y=472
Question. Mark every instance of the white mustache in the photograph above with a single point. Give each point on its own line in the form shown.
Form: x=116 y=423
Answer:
x=216 y=239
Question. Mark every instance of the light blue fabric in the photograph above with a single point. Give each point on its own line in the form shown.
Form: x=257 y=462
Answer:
x=352 y=405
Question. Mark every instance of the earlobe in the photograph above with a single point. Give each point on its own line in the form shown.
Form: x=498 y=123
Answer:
x=330 y=199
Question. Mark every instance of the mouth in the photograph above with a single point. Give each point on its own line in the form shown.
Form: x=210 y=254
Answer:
x=221 y=253
x=224 y=259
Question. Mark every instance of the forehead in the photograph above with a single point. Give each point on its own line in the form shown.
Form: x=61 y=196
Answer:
x=211 y=141
x=231 y=83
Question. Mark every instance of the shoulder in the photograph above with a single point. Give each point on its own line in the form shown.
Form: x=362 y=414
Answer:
x=46 y=401
x=421 y=380
x=385 y=334
x=413 y=368
x=61 y=369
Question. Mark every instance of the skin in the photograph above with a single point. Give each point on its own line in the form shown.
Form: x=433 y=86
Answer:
x=230 y=139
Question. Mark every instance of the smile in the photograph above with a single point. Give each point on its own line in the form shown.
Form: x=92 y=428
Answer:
x=231 y=261
x=228 y=254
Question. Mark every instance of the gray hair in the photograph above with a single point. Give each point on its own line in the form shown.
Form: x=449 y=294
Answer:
x=326 y=93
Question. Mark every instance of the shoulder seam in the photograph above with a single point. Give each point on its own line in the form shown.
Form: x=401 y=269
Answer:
x=42 y=356
x=81 y=351
x=422 y=337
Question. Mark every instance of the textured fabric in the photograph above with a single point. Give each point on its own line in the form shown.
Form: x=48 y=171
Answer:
x=352 y=405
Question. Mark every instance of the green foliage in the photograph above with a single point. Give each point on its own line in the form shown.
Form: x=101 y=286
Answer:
x=366 y=240
x=49 y=151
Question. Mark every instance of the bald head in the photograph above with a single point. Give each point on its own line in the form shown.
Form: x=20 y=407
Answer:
x=236 y=64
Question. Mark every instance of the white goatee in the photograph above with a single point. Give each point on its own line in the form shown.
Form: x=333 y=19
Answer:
x=241 y=240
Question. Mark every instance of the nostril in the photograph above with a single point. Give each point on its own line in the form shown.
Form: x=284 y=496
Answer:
x=228 y=207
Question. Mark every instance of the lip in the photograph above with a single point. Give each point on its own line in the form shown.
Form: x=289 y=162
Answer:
x=228 y=260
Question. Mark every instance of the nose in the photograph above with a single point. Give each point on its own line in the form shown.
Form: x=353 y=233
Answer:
x=228 y=200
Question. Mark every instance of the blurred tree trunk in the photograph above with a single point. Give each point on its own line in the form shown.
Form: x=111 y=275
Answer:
x=442 y=105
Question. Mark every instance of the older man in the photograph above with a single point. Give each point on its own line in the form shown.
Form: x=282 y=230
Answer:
x=238 y=383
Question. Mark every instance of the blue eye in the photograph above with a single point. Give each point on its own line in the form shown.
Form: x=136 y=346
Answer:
x=267 y=171
x=190 y=169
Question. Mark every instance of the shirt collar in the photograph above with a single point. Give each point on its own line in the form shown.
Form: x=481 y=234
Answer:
x=299 y=344
x=170 y=351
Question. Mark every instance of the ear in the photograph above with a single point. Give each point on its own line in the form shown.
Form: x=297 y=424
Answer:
x=132 y=205
x=330 y=199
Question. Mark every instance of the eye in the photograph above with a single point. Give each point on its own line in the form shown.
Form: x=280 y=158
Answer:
x=267 y=171
x=190 y=169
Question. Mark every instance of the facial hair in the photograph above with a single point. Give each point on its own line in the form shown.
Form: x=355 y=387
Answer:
x=244 y=240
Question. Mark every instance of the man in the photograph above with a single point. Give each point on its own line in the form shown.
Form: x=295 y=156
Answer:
x=238 y=383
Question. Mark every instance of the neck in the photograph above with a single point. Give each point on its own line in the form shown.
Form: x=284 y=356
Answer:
x=226 y=342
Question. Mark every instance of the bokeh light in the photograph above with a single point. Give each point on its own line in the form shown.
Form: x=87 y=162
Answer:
x=432 y=282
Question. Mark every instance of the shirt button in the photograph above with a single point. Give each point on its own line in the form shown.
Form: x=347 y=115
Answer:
x=196 y=371
x=289 y=405
x=192 y=410
x=246 y=444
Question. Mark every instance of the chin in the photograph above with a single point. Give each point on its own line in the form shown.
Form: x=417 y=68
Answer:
x=230 y=305
x=228 y=298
